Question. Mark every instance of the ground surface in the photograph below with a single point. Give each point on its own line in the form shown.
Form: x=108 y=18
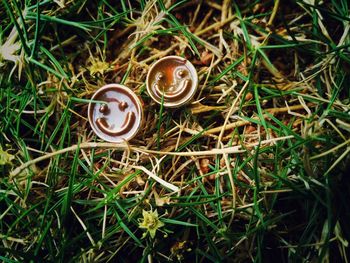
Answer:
x=252 y=170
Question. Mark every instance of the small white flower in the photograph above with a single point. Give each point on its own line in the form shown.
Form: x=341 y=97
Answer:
x=9 y=51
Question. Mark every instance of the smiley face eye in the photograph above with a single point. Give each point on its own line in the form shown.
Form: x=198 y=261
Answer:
x=104 y=109
x=181 y=73
x=160 y=76
x=122 y=106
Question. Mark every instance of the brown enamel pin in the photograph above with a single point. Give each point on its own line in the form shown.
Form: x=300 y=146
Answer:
x=172 y=79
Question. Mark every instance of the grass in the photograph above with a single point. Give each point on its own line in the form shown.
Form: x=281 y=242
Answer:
x=255 y=169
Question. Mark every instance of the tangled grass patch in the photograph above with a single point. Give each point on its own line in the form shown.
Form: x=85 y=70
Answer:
x=255 y=168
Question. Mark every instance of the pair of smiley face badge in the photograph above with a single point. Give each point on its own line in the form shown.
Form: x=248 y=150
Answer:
x=115 y=112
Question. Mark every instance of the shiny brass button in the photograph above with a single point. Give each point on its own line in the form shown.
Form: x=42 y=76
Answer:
x=174 y=79
x=119 y=118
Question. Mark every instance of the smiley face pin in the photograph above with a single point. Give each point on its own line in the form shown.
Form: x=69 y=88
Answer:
x=173 y=79
x=119 y=118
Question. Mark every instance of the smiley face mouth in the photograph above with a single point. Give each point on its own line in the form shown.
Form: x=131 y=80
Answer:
x=126 y=126
x=169 y=94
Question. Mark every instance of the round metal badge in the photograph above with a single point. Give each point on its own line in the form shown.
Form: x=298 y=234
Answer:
x=117 y=115
x=172 y=79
